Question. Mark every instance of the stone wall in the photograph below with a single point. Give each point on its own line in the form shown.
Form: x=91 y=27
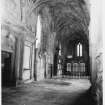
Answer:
x=8 y=39
x=99 y=79
x=96 y=50
x=16 y=29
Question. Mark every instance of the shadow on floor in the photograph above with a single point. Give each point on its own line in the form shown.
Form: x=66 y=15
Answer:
x=35 y=94
x=57 y=83
x=84 y=99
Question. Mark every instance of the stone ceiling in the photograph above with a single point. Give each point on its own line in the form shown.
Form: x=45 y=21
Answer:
x=67 y=16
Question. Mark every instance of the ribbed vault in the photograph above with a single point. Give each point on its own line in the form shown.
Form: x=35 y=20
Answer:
x=65 y=17
x=68 y=16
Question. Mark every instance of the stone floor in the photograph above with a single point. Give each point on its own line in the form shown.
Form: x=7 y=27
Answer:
x=49 y=92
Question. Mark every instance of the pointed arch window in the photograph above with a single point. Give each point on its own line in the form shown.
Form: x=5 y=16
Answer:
x=79 y=50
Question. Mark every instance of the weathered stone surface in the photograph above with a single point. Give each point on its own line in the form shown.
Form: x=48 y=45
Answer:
x=8 y=40
x=59 y=18
x=11 y=11
x=51 y=92
x=96 y=52
x=97 y=89
x=15 y=32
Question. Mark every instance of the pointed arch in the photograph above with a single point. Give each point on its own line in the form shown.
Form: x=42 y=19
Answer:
x=79 y=49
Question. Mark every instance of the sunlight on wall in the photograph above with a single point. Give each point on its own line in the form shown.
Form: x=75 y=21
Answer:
x=96 y=23
x=96 y=46
x=95 y=30
x=38 y=33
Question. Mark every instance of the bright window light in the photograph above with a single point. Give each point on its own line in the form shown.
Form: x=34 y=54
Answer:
x=79 y=49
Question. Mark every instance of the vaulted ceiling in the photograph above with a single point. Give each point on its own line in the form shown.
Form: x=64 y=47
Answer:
x=67 y=17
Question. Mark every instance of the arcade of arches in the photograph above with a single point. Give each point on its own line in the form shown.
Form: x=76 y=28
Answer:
x=48 y=39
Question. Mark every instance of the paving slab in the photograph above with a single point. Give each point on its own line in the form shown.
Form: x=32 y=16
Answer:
x=49 y=92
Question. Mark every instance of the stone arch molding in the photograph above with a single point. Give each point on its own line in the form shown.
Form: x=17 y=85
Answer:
x=61 y=16
x=61 y=9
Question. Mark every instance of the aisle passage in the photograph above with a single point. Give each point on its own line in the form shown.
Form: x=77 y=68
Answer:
x=49 y=92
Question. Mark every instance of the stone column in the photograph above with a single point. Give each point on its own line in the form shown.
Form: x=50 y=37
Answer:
x=17 y=59
x=96 y=44
x=95 y=34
